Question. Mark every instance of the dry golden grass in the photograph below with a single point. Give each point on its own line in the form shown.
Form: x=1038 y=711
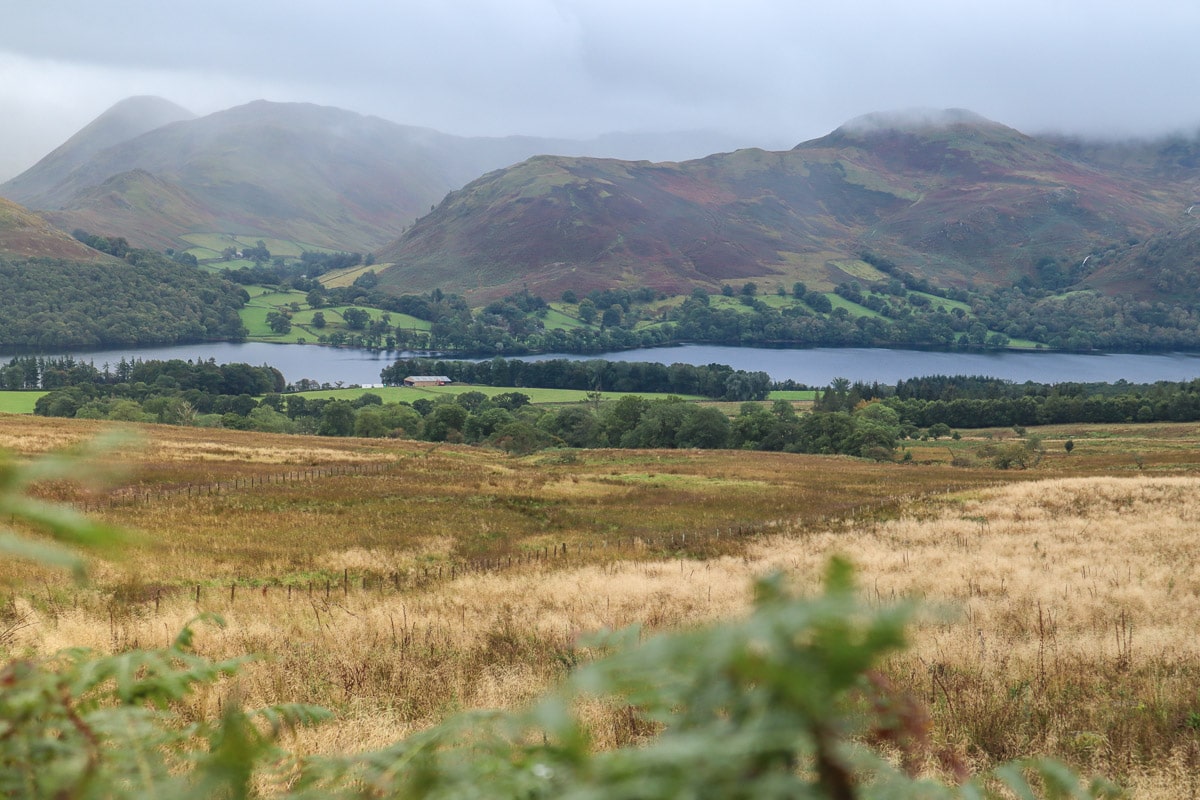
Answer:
x=1071 y=602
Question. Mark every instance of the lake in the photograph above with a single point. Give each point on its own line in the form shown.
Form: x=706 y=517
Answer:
x=815 y=366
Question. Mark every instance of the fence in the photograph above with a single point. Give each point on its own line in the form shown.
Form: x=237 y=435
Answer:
x=141 y=495
x=675 y=544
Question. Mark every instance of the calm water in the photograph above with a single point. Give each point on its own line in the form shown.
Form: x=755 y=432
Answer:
x=816 y=367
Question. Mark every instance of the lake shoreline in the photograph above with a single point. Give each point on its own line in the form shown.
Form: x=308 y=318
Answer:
x=810 y=366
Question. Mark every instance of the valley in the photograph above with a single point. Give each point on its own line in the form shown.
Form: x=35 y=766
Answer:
x=405 y=556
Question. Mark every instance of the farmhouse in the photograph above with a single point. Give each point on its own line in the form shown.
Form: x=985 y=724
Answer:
x=426 y=380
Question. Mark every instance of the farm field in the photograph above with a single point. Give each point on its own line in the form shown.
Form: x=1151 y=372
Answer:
x=208 y=246
x=264 y=300
x=18 y=402
x=395 y=582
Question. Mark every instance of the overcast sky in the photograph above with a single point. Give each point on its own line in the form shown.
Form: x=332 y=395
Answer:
x=774 y=72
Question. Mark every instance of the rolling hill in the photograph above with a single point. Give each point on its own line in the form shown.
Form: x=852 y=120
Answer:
x=947 y=196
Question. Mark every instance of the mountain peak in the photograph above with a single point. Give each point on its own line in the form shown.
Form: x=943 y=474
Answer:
x=123 y=121
x=916 y=119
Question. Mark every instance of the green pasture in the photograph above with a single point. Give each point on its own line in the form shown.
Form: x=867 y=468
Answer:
x=334 y=318
x=854 y=309
x=733 y=303
x=18 y=402
x=949 y=305
x=262 y=302
x=216 y=242
x=557 y=319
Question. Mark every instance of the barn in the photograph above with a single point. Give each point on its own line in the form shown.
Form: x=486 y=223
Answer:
x=426 y=380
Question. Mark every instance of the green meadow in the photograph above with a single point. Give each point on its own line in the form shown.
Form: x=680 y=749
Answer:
x=19 y=402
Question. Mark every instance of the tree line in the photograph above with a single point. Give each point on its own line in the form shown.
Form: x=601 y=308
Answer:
x=980 y=402
x=716 y=381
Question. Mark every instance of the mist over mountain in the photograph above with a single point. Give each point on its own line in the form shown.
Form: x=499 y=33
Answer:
x=947 y=196
x=125 y=120
x=944 y=195
x=151 y=172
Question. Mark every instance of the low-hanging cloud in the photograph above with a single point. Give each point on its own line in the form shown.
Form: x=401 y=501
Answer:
x=768 y=70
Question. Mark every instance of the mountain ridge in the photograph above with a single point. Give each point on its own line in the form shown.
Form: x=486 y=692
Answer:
x=953 y=198
x=299 y=171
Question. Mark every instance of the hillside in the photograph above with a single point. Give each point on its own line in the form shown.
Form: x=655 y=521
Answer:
x=950 y=197
x=23 y=234
x=144 y=300
x=150 y=172
x=127 y=119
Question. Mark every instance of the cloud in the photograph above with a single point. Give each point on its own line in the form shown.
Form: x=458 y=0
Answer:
x=765 y=69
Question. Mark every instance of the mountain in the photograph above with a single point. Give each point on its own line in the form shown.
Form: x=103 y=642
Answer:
x=23 y=234
x=149 y=171
x=946 y=195
x=125 y=120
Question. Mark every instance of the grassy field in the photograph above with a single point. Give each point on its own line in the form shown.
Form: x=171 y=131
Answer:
x=18 y=402
x=854 y=309
x=397 y=581
x=264 y=300
x=338 y=278
x=214 y=243
x=254 y=316
x=557 y=319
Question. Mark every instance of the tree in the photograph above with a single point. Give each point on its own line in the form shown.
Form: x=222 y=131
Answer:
x=938 y=430
x=337 y=419
x=706 y=427
x=368 y=280
x=318 y=320
x=356 y=319
x=279 y=322
x=446 y=422
x=587 y=311
x=575 y=426
x=818 y=302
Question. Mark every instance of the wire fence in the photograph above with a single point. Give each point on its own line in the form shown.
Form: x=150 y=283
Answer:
x=682 y=545
x=143 y=495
